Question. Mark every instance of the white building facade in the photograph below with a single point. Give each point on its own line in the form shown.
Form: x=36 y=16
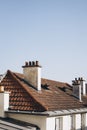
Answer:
x=58 y=120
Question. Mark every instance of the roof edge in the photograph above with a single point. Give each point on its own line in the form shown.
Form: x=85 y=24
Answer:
x=52 y=113
x=11 y=73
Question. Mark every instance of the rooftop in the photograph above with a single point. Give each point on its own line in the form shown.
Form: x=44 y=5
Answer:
x=52 y=97
x=13 y=124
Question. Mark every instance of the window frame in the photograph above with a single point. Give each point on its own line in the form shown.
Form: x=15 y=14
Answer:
x=59 y=123
x=73 y=122
x=83 y=121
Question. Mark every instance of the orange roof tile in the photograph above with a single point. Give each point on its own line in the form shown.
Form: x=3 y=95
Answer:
x=53 y=96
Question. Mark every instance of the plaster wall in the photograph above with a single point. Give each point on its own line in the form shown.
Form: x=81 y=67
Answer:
x=66 y=122
x=33 y=76
x=48 y=123
x=86 y=120
x=40 y=121
x=78 y=121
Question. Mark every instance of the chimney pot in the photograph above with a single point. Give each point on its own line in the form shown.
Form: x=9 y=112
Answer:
x=81 y=78
x=37 y=63
x=33 y=63
x=26 y=63
x=29 y=63
x=75 y=79
x=73 y=82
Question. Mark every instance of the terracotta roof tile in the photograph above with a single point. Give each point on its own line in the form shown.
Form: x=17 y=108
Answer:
x=19 y=97
x=53 y=96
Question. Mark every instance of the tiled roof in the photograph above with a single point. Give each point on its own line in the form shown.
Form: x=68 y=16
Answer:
x=13 y=124
x=20 y=99
x=53 y=95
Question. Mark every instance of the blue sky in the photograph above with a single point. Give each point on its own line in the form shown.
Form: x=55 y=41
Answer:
x=51 y=31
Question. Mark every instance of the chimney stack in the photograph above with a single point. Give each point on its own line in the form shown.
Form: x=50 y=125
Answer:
x=83 y=86
x=32 y=73
x=4 y=101
x=77 y=89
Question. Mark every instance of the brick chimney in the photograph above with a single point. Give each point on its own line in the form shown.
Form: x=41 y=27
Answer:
x=4 y=101
x=77 y=89
x=32 y=74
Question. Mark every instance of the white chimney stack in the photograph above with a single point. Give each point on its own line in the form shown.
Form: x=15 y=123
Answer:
x=32 y=74
x=4 y=101
x=77 y=89
x=83 y=86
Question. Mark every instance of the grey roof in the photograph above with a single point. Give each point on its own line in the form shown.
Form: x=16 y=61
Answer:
x=12 y=124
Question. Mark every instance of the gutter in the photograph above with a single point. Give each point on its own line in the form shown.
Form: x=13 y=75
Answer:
x=51 y=113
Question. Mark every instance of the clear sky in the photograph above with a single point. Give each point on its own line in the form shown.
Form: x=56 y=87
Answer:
x=51 y=31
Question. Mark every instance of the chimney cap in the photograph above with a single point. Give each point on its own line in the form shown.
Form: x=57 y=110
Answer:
x=31 y=64
x=26 y=63
x=75 y=82
x=81 y=79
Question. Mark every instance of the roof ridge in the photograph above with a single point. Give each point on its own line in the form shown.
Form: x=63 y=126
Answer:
x=14 y=76
x=54 y=80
